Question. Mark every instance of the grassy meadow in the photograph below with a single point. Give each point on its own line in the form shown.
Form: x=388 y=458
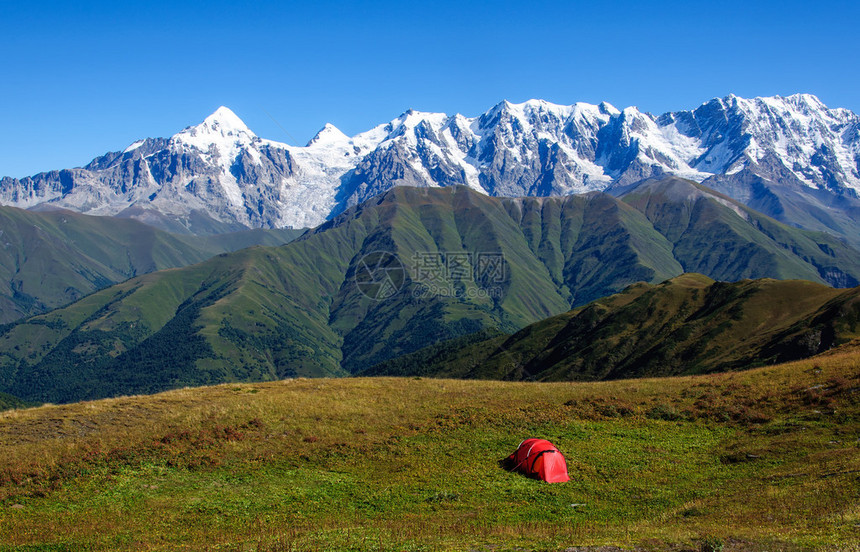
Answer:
x=767 y=459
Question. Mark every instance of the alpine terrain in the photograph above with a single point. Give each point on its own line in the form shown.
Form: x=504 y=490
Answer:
x=397 y=273
x=791 y=158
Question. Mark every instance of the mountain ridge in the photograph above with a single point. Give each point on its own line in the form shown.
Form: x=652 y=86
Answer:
x=784 y=156
x=462 y=262
x=688 y=325
x=51 y=258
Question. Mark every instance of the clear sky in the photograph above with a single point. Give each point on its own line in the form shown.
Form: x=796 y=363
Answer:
x=81 y=79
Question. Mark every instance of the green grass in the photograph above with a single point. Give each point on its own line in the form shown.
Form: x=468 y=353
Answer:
x=50 y=259
x=762 y=460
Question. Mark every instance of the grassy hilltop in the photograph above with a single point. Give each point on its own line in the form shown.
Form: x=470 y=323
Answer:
x=684 y=326
x=767 y=459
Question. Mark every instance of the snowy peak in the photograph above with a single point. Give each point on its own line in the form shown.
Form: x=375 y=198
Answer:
x=806 y=100
x=329 y=135
x=606 y=108
x=411 y=119
x=224 y=121
x=535 y=109
x=223 y=128
x=795 y=136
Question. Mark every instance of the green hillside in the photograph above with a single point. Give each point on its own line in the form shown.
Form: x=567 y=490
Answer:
x=763 y=460
x=7 y=402
x=402 y=271
x=688 y=325
x=715 y=235
x=50 y=259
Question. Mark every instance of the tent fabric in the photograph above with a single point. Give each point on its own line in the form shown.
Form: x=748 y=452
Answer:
x=541 y=459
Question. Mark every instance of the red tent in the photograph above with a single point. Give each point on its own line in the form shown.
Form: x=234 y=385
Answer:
x=540 y=458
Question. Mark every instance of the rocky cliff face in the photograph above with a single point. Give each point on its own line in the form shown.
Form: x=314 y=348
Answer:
x=791 y=157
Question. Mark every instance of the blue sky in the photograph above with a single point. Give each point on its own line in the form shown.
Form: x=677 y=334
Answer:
x=81 y=80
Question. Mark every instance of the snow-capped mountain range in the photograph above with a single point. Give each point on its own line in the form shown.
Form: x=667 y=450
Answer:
x=771 y=152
